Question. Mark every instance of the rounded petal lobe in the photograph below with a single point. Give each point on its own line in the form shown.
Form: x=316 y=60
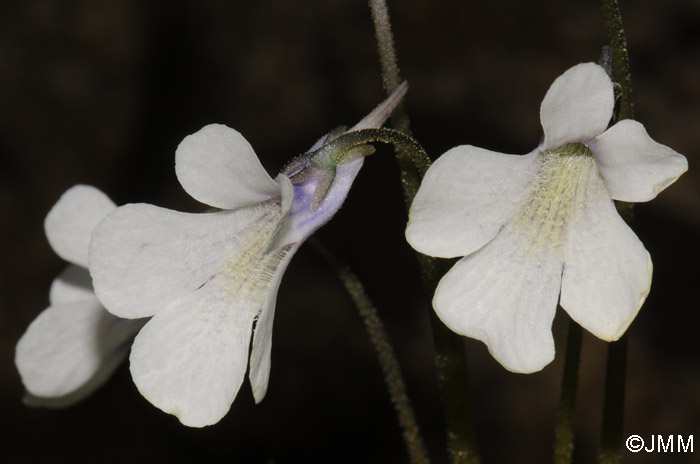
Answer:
x=635 y=167
x=607 y=270
x=142 y=257
x=505 y=295
x=71 y=349
x=191 y=358
x=578 y=106
x=217 y=166
x=72 y=285
x=72 y=219
x=88 y=388
x=466 y=197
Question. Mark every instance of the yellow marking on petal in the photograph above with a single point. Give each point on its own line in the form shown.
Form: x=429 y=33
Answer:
x=559 y=190
x=246 y=276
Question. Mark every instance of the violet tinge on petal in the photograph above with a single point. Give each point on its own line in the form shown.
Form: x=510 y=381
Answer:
x=210 y=280
x=540 y=229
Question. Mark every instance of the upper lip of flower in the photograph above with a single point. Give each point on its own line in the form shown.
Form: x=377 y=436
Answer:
x=521 y=250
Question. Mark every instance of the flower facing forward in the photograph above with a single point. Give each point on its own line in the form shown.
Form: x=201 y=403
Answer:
x=74 y=345
x=542 y=227
x=210 y=280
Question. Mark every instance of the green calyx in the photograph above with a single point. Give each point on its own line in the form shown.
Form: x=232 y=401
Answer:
x=340 y=147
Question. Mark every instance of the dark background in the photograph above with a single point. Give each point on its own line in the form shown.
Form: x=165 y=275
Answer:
x=101 y=92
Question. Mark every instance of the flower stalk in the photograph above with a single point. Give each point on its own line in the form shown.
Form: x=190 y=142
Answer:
x=614 y=402
x=564 y=431
x=385 y=355
x=620 y=59
x=450 y=357
x=387 y=59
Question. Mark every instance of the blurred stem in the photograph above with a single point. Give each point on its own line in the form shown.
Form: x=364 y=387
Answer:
x=564 y=431
x=412 y=169
x=620 y=57
x=614 y=403
x=385 y=354
x=450 y=357
x=387 y=59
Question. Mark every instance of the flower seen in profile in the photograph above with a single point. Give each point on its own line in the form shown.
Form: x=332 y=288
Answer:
x=542 y=228
x=210 y=280
x=74 y=345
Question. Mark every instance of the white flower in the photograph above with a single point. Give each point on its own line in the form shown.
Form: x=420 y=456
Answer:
x=74 y=345
x=542 y=228
x=210 y=280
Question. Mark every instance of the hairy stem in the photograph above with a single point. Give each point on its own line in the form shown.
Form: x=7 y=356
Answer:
x=620 y=58
x=564 y=431
x=614 y=403
x=385 y=354
x=387 y=59
x=450 y=356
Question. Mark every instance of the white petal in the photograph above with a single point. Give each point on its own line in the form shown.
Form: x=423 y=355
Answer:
x=635 y=167
x=96 y=381
x=142 y=257
x=466 y=197
x=217 y=166
x=262 y=339
x=607 y=270
x=71 y=220
x=505 y=295
x=284 y=233
x=72 y=285
x=578 y=106
x=191 y=358
x=71 y=349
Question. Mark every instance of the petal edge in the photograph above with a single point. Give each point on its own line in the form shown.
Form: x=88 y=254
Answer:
x=70 y=222
x=578 y=106
x=217 y=166
x=607 y=270
x=634 y=166
x=508 y=308
x=466 y=197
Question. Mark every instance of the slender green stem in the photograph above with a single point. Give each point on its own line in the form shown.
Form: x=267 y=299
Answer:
x=621 y=74
x=450 y=356
x=388 y=61
x=385 y=354
x=409 y=153
x=450 y=360
x=564 y=431
x=614 y=403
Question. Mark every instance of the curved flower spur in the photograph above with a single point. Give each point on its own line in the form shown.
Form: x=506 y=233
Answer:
x=210 y=280
x=542 y=227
